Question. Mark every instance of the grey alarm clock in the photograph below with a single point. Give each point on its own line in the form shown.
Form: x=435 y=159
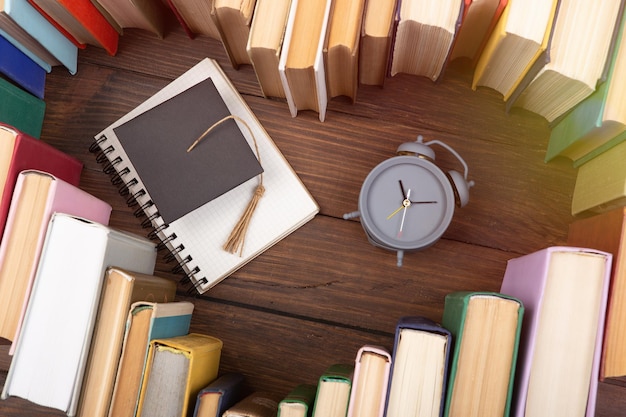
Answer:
x=407 y=202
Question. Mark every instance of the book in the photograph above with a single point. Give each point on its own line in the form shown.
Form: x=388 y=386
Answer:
x=377 y=33
x=333 y=391
x=424 y=37
x=479 y=20
x=21 y=109
x=578 y=51
x=39 y=33
x=606 y=232
x=371 y=379
x=219 y=395
x=146 y=321
x=600 y=184
x=204 y=260
x=265 y=43
x=176 y=369
x=20 y=44
x=21 y=69
x=298 y=402
x=341 y=50
x=121 y=288
x=232 y=19
x=591 y=126
x=301 y=65
x=518 y=40
x=195 y=17
x=58 y=26
x=485 y=329
x=147 y=15
x=419 y=368
x=82 y=20
x=36 y=196
x=54 y=342
x=257 y=404
x=564 y=292
x=20 y=151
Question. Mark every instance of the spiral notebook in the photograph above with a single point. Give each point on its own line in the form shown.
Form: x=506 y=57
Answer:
x=192 y=221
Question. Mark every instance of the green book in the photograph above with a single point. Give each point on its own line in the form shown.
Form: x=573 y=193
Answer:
x=298 y=402
x=333 y=391
x=485 y=329
x=20 y=109
x=599 y=121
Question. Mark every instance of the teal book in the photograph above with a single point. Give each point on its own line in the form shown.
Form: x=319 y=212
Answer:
x=333 y=391
x=21 y=109
x=146 y=321
x=599 y=121
x=298 y=402
x=40 y=29
x=485 y=328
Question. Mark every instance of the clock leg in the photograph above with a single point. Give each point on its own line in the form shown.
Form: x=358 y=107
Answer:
x=351 y=215
x=400 y=257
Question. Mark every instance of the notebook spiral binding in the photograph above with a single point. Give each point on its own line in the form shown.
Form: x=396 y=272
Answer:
x=113 y=166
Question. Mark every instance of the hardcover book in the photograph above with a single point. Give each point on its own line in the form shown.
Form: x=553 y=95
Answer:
x=485 y=328
x=298 y=402
x=121 y=288
x=141 y=14
x=377 y=34
x=21 y=109
x=57 y=49
x=607 y=232
x=146 y=321
x=265 y=43
x=21 y=69
x=221 y=394
x=149 y=167
x=419 y=370
x=233 y=19
x=176 y=369
x=82 y=20
x=257 y=404
x=371 y=379
x=564 y=292
x=333 y=391
x=195 y=17
x=20 y=151
x=36 y=197
x=301 y=66
x=54 y=342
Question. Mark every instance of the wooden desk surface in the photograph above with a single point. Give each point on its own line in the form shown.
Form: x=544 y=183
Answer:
x=317 y=296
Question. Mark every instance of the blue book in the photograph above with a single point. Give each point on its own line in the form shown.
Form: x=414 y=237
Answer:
x=21 y=109
x=38 y=27
x=31 y=54
x=146 y=321
x=18 y=67
x=220 y=395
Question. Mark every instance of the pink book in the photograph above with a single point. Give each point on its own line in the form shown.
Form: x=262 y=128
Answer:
x=361 y=380
x=564 y=291
x=21 y=246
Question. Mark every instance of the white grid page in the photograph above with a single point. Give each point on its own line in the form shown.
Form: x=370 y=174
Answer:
x=285 y=206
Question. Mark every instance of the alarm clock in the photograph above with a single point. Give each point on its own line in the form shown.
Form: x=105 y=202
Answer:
x=407 y=202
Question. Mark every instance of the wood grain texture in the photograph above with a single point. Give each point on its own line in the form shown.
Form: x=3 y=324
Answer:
x=314 y=298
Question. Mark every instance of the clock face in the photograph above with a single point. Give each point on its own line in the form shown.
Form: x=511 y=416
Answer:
x=406 y=203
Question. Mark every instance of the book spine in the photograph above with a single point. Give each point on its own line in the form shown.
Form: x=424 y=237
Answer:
x=136 y=197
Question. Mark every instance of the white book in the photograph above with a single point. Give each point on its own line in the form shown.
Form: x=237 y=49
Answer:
x=196 y=238
x=51 y=353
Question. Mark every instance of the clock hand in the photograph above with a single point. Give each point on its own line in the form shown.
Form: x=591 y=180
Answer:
x=423 y=202
x=402 y=189
x=408 y=195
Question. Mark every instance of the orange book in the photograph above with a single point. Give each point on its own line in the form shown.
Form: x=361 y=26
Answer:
x=57 y=26
x=82 y=20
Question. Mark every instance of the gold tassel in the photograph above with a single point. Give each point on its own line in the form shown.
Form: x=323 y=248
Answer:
x=237 y=238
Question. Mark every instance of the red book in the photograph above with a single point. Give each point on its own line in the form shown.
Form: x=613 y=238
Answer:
x=18 y=152
x=82 y=20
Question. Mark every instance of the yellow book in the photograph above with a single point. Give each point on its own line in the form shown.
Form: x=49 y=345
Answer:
x=517 y=42
x=176 y=370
